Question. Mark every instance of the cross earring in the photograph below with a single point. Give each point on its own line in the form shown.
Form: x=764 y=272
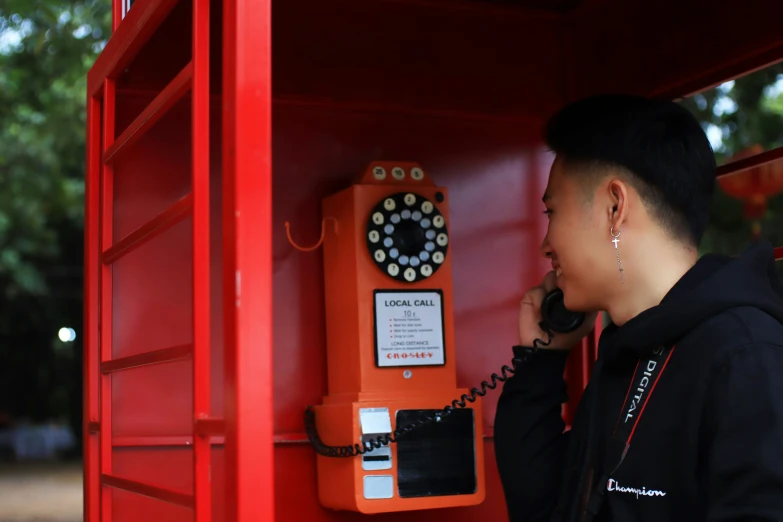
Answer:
x=616 y=240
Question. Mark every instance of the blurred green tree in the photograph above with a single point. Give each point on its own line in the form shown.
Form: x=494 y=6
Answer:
x=46 y=49
x=736 y=115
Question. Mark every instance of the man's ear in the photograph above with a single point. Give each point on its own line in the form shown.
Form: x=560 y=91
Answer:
x=617 y=210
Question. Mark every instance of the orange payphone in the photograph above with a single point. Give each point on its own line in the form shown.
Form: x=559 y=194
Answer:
x=390 y=343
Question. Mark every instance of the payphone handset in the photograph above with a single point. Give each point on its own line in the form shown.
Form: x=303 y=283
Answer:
x=390 y=352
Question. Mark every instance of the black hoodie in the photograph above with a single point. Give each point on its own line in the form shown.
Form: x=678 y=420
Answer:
x=709 y=446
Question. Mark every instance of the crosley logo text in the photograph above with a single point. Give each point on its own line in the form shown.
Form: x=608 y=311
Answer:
x=642 y=385
x=613 y=485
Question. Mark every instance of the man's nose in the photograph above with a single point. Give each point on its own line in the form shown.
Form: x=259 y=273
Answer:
x=546 y=249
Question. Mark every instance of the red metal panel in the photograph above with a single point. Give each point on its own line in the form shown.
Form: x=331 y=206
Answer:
x=156 y=226
x=127 y=40
x=162 y=103
x=202 y=456
x=703 y=45
x=92 y=274
x=107 y=198
x=247 y=269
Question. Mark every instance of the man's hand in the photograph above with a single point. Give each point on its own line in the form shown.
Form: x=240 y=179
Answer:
x=530 y=316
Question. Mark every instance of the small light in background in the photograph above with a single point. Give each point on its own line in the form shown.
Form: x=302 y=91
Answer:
x=67 y=335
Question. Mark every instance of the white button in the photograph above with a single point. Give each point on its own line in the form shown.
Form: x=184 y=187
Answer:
x=417 y=173
x=374 y=236
x=426 y=270
x=437 y=257
x=379 y=173
x=426 y=207
x=438 y=221
x=443 y=239
x=393 y=269
x=377 y=218
x=398 y=173
x=389 y=204
x=380 y=256
x=409 y=199
x=410 y=274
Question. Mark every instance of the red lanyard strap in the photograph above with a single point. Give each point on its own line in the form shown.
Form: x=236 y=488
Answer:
x=645 y=378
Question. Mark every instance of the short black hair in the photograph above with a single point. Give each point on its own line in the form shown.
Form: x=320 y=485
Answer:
x=661 y=145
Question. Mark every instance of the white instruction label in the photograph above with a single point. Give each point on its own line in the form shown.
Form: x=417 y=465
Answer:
x=409 y=329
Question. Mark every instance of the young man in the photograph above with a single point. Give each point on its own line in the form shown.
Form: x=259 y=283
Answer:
x=683 y=416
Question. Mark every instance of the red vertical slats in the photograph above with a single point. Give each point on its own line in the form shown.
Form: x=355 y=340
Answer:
x=92 y=273
x=247 y=265
x=105 y=327
x=201 y=293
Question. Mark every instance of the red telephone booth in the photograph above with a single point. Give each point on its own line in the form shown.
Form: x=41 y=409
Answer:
x=212 y=125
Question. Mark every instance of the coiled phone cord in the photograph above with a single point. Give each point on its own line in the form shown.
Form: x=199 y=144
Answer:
x=385 y=440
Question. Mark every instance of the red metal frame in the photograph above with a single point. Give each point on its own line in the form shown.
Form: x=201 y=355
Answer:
x=105 y=285
x=102 y=251
x=247 y=268
x=202 y=452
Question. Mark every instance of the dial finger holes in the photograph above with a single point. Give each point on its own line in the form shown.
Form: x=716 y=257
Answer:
x=410 y=274
x=388 y=242
x=425 y=223
x=430 y=234
x=377 y=218
x=406 y=214
x=389 y=229
x=414 y=261
x=416 y=216
x=395 y=218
